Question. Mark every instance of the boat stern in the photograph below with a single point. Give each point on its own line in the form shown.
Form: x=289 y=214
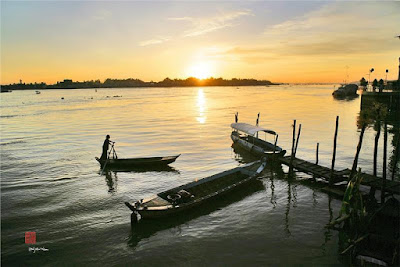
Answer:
x=150 y=208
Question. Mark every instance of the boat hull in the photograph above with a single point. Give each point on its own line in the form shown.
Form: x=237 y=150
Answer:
x=168 y=208
x=256 y=149
x=137 y=162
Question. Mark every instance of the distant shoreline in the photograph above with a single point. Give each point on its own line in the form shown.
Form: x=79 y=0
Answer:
x=136 y=83
x=5 y=89
x=130 y=87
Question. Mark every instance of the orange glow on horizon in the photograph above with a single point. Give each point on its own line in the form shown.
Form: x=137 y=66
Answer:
x=201 y=70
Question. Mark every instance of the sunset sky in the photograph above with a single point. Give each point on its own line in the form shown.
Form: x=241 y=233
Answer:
x=279 y=41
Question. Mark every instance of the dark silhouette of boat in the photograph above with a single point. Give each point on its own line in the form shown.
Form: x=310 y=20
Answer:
x=139 y=169
x=346 y=90
x=147 y=228
x=241 y=155
x=191 y=195
x=132 y=163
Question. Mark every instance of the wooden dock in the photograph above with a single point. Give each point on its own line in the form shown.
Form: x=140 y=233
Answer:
x=392 y=187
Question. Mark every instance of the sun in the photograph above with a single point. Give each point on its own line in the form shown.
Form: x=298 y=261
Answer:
x=200 y=70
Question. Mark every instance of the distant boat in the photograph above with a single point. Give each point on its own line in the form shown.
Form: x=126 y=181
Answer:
x=191 y=195
x=37 y=92
x=346 y=90
x=246 y=136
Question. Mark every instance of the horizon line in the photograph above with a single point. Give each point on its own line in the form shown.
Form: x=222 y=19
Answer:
x=172 y=79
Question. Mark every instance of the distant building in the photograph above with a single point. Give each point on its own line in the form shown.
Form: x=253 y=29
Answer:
x=66 y=82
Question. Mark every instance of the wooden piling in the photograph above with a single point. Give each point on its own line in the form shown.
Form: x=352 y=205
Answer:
x=355 y=162
x=384 y=162
x=297 y=140
x=378 y=133
x=292 y=155
x=276 y=141
x=316 y=154
x=396 y=156
x=334 y=151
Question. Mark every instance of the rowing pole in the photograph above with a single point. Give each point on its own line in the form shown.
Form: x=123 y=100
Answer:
x=108 y=157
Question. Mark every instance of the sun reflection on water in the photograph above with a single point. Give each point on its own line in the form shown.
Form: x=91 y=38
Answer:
x=201 y=104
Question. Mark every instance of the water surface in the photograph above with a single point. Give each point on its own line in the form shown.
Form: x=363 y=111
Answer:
x=50 y=181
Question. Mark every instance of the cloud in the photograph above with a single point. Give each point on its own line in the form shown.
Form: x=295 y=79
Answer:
x=102 y=14
x=154 y=41
x=182 y=18
x=201 y=26
x=337 y=30
x=251 y=55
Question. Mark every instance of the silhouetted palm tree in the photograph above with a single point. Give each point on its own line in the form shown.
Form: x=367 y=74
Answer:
x=374 y=84
x=381 y=85
x=363 y=82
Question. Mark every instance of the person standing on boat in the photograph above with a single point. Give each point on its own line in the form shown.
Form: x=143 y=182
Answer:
x=105 y=147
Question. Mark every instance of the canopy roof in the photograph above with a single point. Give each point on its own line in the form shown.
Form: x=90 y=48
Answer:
x=250 y=129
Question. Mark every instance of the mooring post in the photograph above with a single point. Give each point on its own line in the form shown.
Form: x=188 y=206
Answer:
x=316 y=154
x=396 y=156
x=384 y=163
x=297 y=140
x=334 y=152
x=355 y=162
x=378 y=133
x=276 y=141
x=292 y=155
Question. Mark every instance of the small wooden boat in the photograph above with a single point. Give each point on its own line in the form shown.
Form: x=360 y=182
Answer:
x=246 y=136
x=137 y=162
x=190 y=195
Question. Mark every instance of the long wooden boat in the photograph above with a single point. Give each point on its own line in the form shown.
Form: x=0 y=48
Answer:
x=246 y=136
x=190 y=195
x=137 y=162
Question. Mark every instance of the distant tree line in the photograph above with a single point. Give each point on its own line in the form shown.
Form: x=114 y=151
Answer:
x=118 y=83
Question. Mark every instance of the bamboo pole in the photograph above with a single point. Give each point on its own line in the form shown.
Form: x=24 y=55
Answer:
x=292 y=155
x=316 y=154
x=334 y=151
x=384 y=162
x=297 y=140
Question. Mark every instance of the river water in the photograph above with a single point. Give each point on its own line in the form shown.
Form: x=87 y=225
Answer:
x=51 y=183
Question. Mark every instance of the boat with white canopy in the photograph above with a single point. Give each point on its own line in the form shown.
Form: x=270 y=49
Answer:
x=247 y=137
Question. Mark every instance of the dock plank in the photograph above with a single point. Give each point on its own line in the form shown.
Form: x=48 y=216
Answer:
x=392 y=187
